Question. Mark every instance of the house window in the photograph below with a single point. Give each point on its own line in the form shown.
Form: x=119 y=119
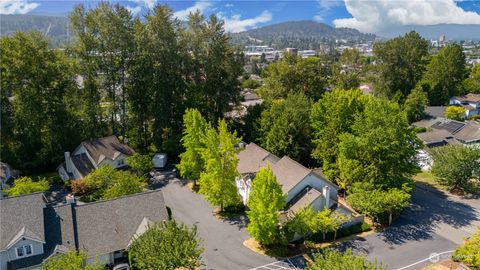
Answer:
x=121 y=162
x=24 y=251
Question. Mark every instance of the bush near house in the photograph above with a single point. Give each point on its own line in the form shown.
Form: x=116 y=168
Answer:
x=337 y=260
x=25 y=185
x=469 y=253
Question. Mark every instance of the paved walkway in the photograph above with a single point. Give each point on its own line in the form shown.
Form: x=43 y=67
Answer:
x=222 y=239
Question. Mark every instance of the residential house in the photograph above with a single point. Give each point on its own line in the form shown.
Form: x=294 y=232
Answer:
x=302 y=186
x=470 y=102
x=92 y=154
x=32 y=230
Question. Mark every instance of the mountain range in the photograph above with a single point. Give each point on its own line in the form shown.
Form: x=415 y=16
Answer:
x=297 y=34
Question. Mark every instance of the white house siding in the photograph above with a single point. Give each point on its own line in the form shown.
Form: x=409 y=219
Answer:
x=315 y=182
x=117 y=163
x=63 y=174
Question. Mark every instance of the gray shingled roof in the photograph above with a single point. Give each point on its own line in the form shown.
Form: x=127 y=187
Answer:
x=21 y=215
x=434 y=136
x=469 y=98
x=83 y=164
x=436 y=111
x=289 y=173
x=305 y=198
x=254 y=157
x=107 y=147
x=107 y=226
x=469 y=133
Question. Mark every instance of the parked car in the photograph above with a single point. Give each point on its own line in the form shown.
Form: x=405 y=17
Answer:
x=159 y=161
x=122 y=266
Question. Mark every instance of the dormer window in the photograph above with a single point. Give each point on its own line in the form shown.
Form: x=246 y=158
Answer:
x=24 y=251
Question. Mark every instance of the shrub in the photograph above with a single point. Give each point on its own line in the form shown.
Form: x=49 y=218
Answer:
x=80 y=187
x=25 y=185
x=455 y=113
x=469 y=253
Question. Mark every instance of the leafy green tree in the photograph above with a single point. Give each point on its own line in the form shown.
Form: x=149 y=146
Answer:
x=348 y=71
x=285 y=127
x=251 y=84
x=331 y=116
x=415 y=105
x=166 y=245
x=336 y=260
x=265 y=202
x=217 y=181
x=87 y=100
x=472 y=83
x=25 y=185
x=455 y=113
x=377 y=203
x=142 y=164
x=381 y=148
x=445 y=74
x=456 y=165
x=72 y=260
x=108 y=183
x=36 y=81
x=469 y=252
x=194 y=132
x=401 y=63
x=293 y=74
x=307 y=221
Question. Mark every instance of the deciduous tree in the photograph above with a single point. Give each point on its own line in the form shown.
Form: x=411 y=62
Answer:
x=265 y=202
x=217 y=181
x=166 y=245
x=336 y=260
x=456 y=165
x=73 y=260
x=25 y=185
x=455 y=113
x=415 y=104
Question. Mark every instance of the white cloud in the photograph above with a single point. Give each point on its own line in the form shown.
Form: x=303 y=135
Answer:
x=17 y=6
x=325 y=7
x=134 y=10
x=229 y=5
x=148 y=3
x=379 y=15
x=235 y=24
x=201 y=6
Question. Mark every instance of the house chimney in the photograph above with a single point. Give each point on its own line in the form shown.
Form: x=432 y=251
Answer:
x=68 y=162
x=326 y=194
x=70 y=199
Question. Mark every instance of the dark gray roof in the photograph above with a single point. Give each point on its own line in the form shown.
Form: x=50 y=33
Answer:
x=451 y=126
x=21 y=216
x=436 y=111
x=83 y=164
x=470 y=133
x=304 y=198
x=434 y=136
x=469 y=98
x=107 y=226
x=107 y=147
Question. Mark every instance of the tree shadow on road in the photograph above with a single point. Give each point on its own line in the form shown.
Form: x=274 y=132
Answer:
x=426 y=212
x=241 y=221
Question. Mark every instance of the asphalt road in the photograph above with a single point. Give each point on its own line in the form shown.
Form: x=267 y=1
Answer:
x=222 y=239
x=434 y=223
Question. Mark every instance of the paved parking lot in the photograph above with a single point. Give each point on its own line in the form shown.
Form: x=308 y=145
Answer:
x=222 y=238
x=295 y=263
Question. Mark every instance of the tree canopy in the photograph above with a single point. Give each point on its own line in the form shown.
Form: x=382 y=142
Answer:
x=455 y=113
x=217 y=181
x=72 y=260
x=469 y=252
x=265 y=201
x=456 y=165
x=25 y=185
x=336 y=260
x=166 y=245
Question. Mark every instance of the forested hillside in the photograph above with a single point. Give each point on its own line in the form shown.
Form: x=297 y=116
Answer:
x=53 y=27
x=299 y=34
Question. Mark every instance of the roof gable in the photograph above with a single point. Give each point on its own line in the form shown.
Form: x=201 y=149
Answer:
x=21 y=215
x=106 y=148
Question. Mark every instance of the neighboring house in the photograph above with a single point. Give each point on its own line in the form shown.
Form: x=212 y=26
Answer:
x=90 y=155
x=22 y=231
x=301 y=186
x=470 y=102
x=33 y=231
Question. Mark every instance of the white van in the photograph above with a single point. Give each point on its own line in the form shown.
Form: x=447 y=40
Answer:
x=159 y=161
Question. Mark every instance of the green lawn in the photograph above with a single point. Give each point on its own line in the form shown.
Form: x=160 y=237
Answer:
x=429 y=179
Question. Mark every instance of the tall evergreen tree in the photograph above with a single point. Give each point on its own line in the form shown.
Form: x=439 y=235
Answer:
x=37 y=80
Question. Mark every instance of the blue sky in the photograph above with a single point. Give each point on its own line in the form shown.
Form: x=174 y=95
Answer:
x=240 y=15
